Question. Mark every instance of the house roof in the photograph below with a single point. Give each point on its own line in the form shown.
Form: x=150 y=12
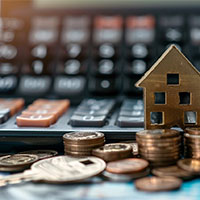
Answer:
x=172 y=49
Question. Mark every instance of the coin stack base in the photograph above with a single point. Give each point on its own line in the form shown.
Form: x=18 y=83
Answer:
x=81 y=144
x=192 y=143
x=160 y=147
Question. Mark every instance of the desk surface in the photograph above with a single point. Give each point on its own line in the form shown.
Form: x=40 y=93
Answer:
x=95 y=191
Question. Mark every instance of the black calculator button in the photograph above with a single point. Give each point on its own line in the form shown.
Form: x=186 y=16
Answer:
x=34 y=85
x=88 y=120
x=83 y=111
x=139 y=51
x=8 y=83
x=5 y=112
x=7 y=68
x=7 y=52
x=39 y=51
x=69 y=86
x=106 y=51
x=131 y=113
x=127 y=121
x=73 y=50
x=72 y=67
x=106 y=67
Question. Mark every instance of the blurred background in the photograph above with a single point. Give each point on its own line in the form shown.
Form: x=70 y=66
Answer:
x=84 y=48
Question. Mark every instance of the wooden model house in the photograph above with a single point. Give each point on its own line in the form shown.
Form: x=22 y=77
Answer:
x=171 y=92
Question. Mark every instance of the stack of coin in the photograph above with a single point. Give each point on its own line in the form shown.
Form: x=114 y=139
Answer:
x=82 y=143
x=113 y=151
x=192 y=143
x=161 y=147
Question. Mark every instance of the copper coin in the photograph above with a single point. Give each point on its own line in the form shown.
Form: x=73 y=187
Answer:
x=193 y=130
x=125 y=177
x=42 y=154
x=13 y=169
x=163 y=151
x=172 y=171
x=173 y=140
x=158 y=155
x=78 y=153
x=18 y=160
x=190 y=137
x=155 y=164
x=83 y=137
x=134 y=145
x=155 y=184
x=130 y=165
x=158 y=133
x=82 y=147
x=113 y=151
x=161 y=159
x=160 y=145
x=191 y=165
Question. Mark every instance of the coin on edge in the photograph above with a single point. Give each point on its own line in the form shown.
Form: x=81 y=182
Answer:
x=130 y=165
x=155 y=184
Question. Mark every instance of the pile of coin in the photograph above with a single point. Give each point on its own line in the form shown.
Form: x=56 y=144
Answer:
x=161 y=147
x=192 y=143
x=82 y=143
x=113 y=151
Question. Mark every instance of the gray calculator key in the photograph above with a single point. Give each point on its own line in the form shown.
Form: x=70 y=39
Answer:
x=124 y=121
x=131 y=113
x=6 y=113
x=88 y=120
x=84 y=111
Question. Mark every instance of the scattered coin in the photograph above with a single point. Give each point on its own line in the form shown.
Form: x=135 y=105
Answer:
x=130 y=165
x=113 y=151
x=42 y=154
x=191 y=165
x=17 y=160
x=155 y=184
x=125 y=177
x=174 y=171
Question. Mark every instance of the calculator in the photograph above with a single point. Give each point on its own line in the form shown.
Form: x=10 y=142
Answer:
x=72 y=66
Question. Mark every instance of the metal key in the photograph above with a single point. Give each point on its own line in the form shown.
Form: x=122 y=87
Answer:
x=59 y=169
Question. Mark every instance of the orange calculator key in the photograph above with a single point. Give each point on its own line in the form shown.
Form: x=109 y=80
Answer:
x=35 y=120
x=42 y=112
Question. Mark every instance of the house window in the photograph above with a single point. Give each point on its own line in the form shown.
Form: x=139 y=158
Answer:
x=184 y=98
x=156 y=117
x=172 y=79
x=190 y=117
x=159 y=97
